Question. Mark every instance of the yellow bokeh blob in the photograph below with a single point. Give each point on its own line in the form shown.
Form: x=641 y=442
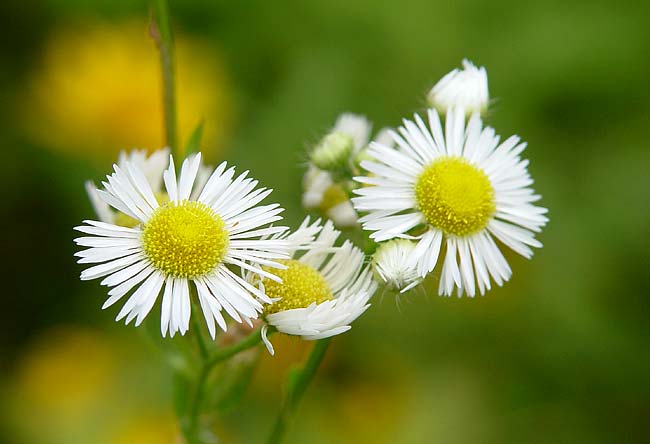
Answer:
x=159 y=429
x=78 y=385
x=50 y=375
x=98 y=89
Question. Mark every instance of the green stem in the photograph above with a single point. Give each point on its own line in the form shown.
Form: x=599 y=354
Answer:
x=224 y=353
x=197 y=329
x=193 y=427
x=209 y=362
x=161 y=32
x=296 y=390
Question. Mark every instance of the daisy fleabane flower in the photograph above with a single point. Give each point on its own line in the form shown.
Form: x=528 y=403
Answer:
x=466 y=88
x=184 y=242
x=461 y=189
x=392 y=265
x=152 y=166
x=324 y=288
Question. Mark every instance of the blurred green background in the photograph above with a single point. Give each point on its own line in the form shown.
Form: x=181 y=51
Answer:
x=559 y=355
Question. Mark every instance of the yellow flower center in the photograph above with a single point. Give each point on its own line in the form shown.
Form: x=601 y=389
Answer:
x=301 y=286
x=187 y=239
x=333 y=196
x=455 y=196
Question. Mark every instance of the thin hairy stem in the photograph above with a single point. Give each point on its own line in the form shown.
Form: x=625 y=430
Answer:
x=161 y=32
x=222 y=354
x=209 y=363
x=297 y=387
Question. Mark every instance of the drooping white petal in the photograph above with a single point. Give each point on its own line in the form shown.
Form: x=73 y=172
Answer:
x=341 y=268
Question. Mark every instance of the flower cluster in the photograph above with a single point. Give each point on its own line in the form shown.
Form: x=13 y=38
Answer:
x=204 y=238
x=438 y=192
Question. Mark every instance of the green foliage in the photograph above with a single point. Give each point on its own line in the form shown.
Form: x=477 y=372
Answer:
x=194 y=142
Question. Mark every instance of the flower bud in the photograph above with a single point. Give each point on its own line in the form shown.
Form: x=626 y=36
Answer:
x=392 y=265
x=466 y=88
x=333 y=151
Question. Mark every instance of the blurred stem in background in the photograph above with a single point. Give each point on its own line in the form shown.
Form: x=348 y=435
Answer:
x=297 y=385
x=161 y=32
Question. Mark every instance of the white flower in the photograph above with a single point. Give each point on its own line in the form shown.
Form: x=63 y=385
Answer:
x=466 y=88
x=324 y=288
x=461 y=189
x=391 y=263
x=185 y=240
x=350 y=134
x=328 y=197
x=153 y=167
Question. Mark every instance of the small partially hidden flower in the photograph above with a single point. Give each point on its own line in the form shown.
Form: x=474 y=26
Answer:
x=185 y=240
x=392 y=263
x=152 y=166
x=324 y=288
x=466 y=88
x=460 y=189
x=321 y=191
x=329 y=198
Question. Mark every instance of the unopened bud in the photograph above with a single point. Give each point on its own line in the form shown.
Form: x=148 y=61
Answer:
x=466 y=88
x=333 y=152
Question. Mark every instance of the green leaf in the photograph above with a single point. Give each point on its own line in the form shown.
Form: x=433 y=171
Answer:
x=195 y=140
x=293 y=378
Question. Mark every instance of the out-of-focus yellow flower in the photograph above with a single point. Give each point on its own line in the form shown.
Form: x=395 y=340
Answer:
x=147 y=430
x=363 y=405
x=78 y=386
x=98 y=89
x=65 y=372
x=59 y=384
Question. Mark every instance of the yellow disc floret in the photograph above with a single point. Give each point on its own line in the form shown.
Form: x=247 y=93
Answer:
x=333 y=196
x=455 y=196
x=185 y=239
x=301 y=286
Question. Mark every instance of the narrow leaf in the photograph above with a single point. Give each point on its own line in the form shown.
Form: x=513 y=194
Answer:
x=195 y=140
